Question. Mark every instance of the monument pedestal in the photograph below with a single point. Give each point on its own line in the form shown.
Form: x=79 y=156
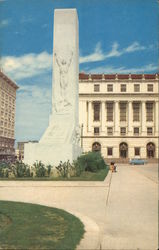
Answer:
x=60 y=141
x=51 y=153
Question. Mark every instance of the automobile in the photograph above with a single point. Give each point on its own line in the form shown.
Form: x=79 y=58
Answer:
x=136 y=161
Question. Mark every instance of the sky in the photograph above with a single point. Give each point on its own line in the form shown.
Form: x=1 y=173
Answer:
x=115 y=36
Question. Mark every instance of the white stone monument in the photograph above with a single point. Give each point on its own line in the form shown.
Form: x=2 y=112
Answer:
x=60 y=141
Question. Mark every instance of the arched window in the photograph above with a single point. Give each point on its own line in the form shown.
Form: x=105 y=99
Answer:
x=123 y=148
x=150 y=150
x=96 y=147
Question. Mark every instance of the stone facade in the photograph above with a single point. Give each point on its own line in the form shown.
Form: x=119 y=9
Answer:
x=60 y=141
x=7 y=117
x=119 y=115
x=20 y=149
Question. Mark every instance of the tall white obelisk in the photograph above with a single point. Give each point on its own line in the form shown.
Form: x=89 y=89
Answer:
x=60 y=141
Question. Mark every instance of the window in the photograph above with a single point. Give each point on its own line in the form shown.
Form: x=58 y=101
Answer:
x=150 y=87
x=137 y=151
x=96 y=147
x=109 y=151
x=123 y=87
x=110 y=111
x=136 y=87
x=149 y=112
x=96 y=130
x=136 y=112
x=110 y=87
x=96 y=111
x=136 y=131
x=123 y=131
x=109 y=130
x=149 y=131
x=123 y=111
x=96 y=88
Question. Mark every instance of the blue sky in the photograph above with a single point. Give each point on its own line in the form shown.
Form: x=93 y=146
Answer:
x=115 y=36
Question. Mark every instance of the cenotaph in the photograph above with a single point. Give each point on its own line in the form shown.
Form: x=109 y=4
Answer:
x=60 y=141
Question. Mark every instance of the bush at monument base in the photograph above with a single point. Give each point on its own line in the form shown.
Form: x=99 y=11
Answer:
x=91 y=162
x=17 y=170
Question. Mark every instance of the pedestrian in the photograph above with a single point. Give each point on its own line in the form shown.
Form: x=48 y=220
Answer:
x=115 y=167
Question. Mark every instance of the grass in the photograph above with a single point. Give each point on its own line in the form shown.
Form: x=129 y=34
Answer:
x=85 y=176
x=30 y=226
x=92 y=176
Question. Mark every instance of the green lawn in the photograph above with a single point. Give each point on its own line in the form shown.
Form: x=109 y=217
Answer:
x=85 y=176
x=29 y=226
x=92 y=176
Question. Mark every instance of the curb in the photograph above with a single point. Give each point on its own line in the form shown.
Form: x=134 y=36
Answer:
x=92 y=235
x=107 y=181
x=26 y=184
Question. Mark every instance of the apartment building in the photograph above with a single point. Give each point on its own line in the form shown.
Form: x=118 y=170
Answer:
x=8 y=90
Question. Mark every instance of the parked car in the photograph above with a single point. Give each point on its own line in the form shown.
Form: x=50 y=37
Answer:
x=137 y=161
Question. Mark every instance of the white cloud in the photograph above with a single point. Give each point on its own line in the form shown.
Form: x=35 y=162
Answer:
x=114 y=52
x=99 y=55
x=123 y=70
x=26 y=66
x=32 y=111
x=4 y=23
x=134 y=47
x=32 y=64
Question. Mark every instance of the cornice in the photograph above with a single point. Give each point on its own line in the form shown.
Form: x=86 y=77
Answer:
x=119 y=94
x=8 y=80
x=123 y=137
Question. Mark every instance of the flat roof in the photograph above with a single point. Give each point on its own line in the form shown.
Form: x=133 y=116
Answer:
x=8 y=80
x=85 y=76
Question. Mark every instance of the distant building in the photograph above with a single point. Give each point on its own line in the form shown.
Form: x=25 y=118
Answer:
x=7 y=116
x=20 y=149
x=119 y=115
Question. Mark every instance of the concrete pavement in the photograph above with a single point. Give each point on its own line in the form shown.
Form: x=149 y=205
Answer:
x=131 y=220
x=85 y=200
x=119 y=213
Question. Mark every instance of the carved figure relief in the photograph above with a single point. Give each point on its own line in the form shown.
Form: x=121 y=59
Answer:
x=63 y=66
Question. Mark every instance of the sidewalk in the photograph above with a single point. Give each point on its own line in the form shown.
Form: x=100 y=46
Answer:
x=122 y=213
x=86 y=200
x=132 y=211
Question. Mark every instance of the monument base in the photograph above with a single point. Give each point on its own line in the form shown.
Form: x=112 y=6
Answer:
x=50 y=153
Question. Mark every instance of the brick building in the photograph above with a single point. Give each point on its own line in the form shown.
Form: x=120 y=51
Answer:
x=8 y=90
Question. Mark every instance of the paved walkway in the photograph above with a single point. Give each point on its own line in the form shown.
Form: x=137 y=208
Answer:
x=86 y=200
x=124 y=209
x=132 y=210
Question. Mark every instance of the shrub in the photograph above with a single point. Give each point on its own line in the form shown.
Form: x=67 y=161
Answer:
x=5 y=168
x=48 y=167
x=40 y=170
x=1 y=172
x=77 y=168
x=64 y=169
x=92 y=161
x=20 y=170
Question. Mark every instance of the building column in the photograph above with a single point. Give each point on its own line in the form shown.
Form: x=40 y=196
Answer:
x=83 y=115
x=156 y=118
x=130 y=118
x=143 y=130
x=89 y=116
x=116 y=118
x=103 y=116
